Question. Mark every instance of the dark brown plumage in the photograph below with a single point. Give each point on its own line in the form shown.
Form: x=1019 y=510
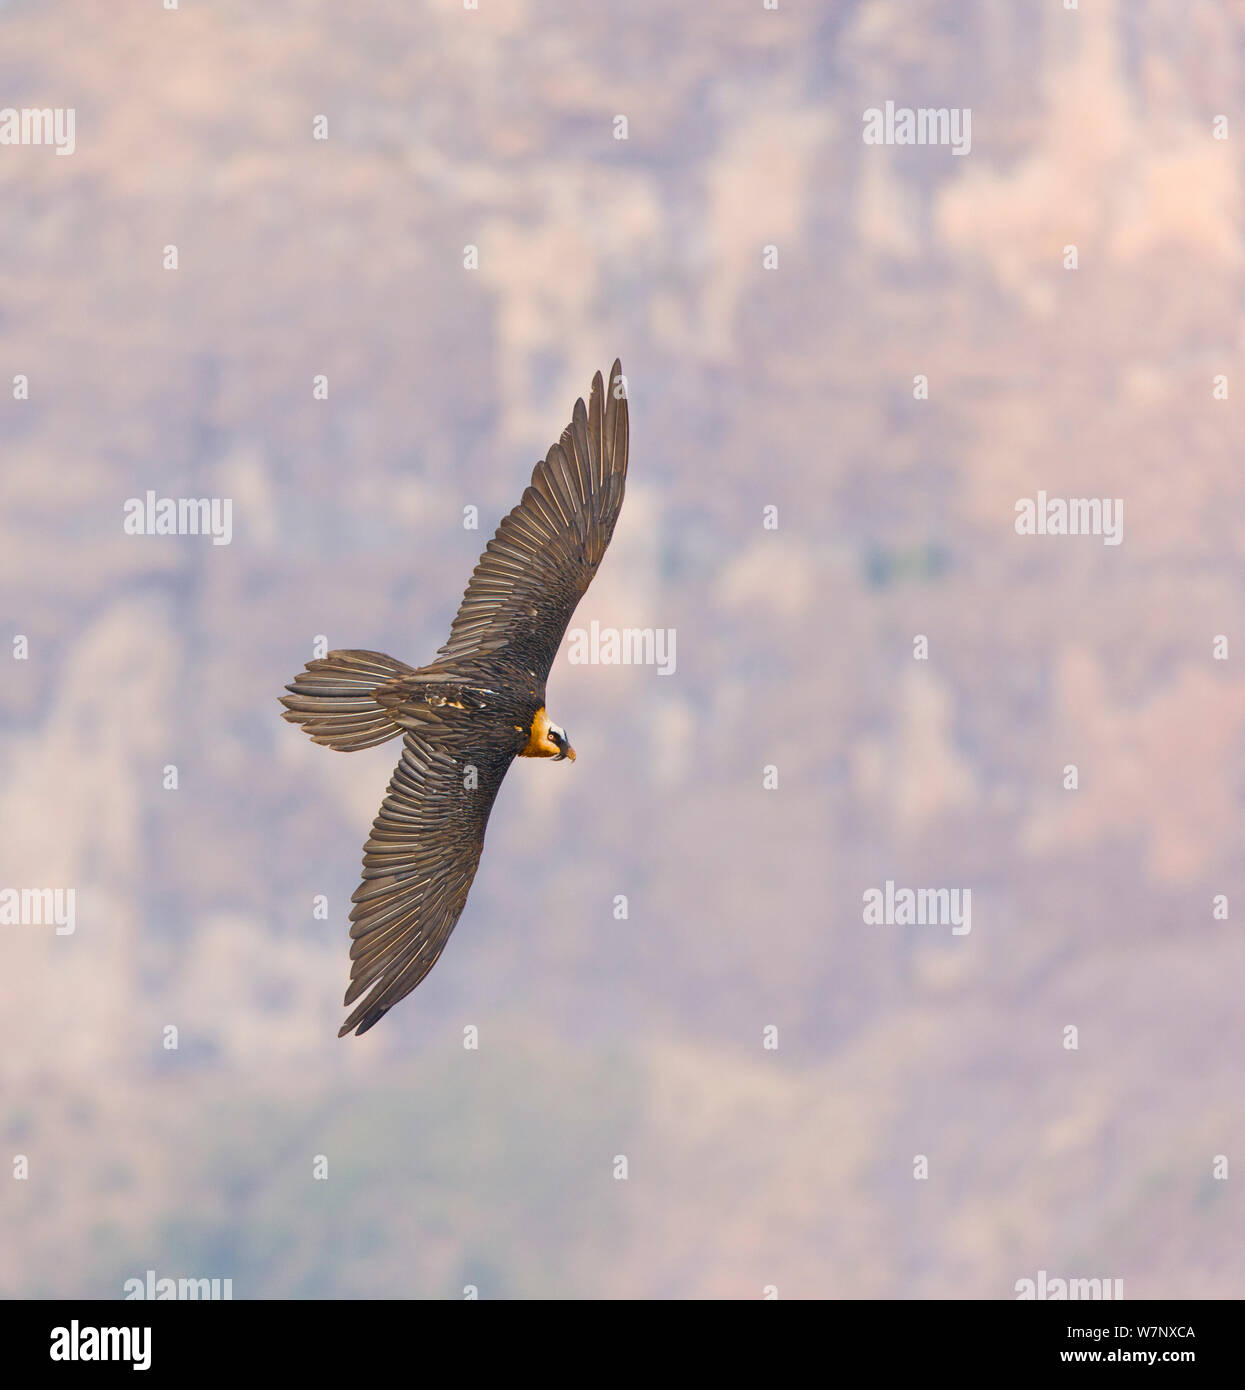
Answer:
x=465 y=718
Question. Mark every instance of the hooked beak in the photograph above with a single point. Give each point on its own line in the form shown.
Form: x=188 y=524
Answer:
x=568 y=752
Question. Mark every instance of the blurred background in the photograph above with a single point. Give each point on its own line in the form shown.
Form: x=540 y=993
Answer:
x=790 y=388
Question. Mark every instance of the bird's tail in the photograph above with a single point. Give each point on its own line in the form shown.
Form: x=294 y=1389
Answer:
x=334 y=699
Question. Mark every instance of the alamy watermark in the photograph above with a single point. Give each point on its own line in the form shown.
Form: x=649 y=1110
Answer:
x=40 y=125
x=180 y=516
x=935 y=907
x=78 y=1343
x=924 y=125
x=166 y=1289
x=1071 y=516
x=40 y=907
x=1045 y=1287
x=628 y=646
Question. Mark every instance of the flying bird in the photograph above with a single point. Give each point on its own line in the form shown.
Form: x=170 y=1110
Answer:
x=467 y=716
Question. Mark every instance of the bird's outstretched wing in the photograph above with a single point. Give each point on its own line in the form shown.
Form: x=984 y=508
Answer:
x=418 y=867
x=539 y=564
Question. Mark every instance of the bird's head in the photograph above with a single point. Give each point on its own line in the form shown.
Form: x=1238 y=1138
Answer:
x=545 y=739
x=557 y=736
